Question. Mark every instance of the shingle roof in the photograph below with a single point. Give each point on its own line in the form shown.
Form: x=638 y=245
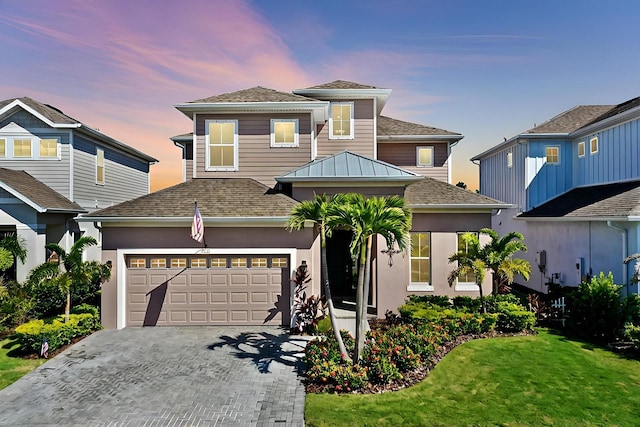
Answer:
x=618 y=109
x=571 y=120
x=342 y=84
x=607 y=200
x=394 y=127
x=51 y=113
x=347 y=166
x=27 y=188
x=216 y=197
x=255 y=94
x=431 y=192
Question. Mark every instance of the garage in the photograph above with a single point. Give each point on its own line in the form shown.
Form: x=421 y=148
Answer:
x=204 y=289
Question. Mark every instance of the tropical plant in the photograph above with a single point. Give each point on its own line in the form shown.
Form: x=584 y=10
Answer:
x=469 y=261
x=316 y=211
x=307 y=311
x=69 y=269
x=366 y=218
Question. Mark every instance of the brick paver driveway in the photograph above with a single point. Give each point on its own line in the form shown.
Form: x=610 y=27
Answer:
x=170 y=376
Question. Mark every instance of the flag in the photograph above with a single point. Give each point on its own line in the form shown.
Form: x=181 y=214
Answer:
x=197 y=227
x=44 y=349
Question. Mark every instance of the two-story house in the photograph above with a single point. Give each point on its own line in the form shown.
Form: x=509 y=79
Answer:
x=574 y=184
x=53 y=168
x=251 y=157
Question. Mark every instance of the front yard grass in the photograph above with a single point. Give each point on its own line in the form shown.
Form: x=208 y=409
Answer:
x=537 y=380
x=13 y=367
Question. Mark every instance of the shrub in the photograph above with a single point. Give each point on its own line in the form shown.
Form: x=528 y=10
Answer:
x=513 y=317
x=632 y=333
x=32 y=334
x=14 y=305
x=472 y=305
x=439 y=300
x=325 y=366
x=86 y=308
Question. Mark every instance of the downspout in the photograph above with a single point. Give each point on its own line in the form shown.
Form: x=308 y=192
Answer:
x=625 y=233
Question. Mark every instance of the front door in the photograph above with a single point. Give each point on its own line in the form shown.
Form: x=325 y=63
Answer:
x=343 y=271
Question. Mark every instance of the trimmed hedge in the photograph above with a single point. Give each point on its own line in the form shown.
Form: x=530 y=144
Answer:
x=58 y=333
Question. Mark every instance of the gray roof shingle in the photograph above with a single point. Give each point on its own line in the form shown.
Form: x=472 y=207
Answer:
x=342 y=84
x=432 y=192
x=254 y=94
x=571 y=120
x=216 y=197
x=51 y=113
x=24 y=186
x=394 y=127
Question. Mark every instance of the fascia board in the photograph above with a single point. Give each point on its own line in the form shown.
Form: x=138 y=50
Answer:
x=577 y=218
x=117 y=144
x=185 y=221
x=390 y=138
x=448 y=206
x=320 y=108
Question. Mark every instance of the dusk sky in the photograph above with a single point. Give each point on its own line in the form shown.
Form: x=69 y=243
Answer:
x=487 y=69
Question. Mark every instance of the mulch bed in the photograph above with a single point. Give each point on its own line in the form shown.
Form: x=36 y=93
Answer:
x=53 y=353
x=413 y=377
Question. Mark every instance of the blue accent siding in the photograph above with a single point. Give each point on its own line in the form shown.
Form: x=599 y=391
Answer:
x=547 y=181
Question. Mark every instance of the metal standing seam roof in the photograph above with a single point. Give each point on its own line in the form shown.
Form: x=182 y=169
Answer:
x=347 y=166
x=35 y=193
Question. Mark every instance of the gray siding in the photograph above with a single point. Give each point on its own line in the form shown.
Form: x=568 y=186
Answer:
x=24 y=119
x=256 y=158
x=403 y=154
x=364 y=133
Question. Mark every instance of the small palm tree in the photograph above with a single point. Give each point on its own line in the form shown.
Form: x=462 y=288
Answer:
x=498 y=256
x=366 y=218
x=316 y=211
x=12 y=248
x=67 y=270
x=469 y=261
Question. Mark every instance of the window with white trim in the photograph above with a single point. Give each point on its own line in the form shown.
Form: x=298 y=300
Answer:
x=593 y=145
x=424 y=157
x=581 y=149
x=3 y=147
x=99 y=166
x=284 y=133
x=420 y=262
x=22 y=147
x=221 y=142
x=341 y=120
x=552 y=153
x=49 y=148
x=466 y=281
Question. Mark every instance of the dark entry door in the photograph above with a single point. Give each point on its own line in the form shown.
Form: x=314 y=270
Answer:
x=343 y=272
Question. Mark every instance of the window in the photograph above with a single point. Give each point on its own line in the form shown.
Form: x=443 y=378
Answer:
x=469 y=278
x=581 y=149
x=258 y=262
x=3 y=147
x=284 y=133
x=238 y=262
x=137 y=263
x=510 y=159
x=222 y=145
x=553 y=155
x=158 y=263
x=198 y=263
x=341 y=121
x=99 y=166
x=49 y=148
x=178 y=262
x=593 y=145
x=219 y=262
x=424 y=157
x=279 y=262
x=21 y=147
x=420 y=262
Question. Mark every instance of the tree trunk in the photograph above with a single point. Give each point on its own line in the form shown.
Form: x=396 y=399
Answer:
x=327 y=293
x=482 y=304
x=360 y=302
x=67 y=307
x=362 y=327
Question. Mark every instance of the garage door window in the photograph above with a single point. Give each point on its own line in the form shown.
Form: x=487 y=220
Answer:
x=198 y=263
x=178 y=262
x=238 y=262
x=218 y=262
x=137 y=263
x=158 y=263
x=278 y=262
x=258 y=262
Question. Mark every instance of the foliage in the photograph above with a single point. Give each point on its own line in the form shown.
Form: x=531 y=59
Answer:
x=86 y=308
x=468 y=304
x=56 y=331
x=439 y=300
x=538 y=306
x=305 y=308
x=632 y=333
x=14 y=305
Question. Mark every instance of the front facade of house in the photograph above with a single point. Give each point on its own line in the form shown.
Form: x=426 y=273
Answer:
x=251 y=157
x=574 y=183
x=53 y=168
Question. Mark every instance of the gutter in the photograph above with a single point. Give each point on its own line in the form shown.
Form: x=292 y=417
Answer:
x=625 y=252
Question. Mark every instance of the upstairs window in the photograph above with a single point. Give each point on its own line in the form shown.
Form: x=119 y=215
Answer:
x=284 y=133
x=100 y=166
x=593 y=145
x=341 y=121
x=424 y=157
x=553 y=155
x=222 y=145
x=49 y=148
x=3 y=147
x=22 y=147
x=581 y=149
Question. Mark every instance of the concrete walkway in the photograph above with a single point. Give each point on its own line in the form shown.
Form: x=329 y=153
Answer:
x=169 y=376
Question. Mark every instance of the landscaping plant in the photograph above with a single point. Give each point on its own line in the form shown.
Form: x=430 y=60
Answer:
x=307 y=311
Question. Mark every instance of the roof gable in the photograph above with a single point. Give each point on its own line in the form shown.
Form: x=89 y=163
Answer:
x=254 y=94
x=342 y=84
x=433 y=193
x=48 y=114
x=571 y=120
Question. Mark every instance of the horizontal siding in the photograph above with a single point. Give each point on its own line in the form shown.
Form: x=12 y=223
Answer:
x=403 y=154
x=256 y=158
x=504 y=183
x=364 y=133
x=24 y=119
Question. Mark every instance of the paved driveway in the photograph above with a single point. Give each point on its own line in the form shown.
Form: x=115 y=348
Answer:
x=169 y=376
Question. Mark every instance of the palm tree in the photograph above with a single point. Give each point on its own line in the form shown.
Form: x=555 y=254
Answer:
x=366 y=218
x=316 y=211
x=12 y=248
x=469 y=260
x=498 y=256
x=68 y=270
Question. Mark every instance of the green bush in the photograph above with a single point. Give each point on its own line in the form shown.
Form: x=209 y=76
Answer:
x=32 y=334
x=15 y=305
x=632 y=333
x=471 y=305
x=86 y=308
x=439 y=300
x=47 y=298
x=513 y=317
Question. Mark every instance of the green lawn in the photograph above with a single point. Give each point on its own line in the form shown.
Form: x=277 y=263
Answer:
x=11 y=367
x=542 y=380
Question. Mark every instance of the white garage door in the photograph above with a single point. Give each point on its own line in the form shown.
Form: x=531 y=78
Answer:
x=207 y=290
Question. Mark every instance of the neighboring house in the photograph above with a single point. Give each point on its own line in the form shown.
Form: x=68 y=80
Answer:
x=252 y=155
x=574 y=182
x=53 y=168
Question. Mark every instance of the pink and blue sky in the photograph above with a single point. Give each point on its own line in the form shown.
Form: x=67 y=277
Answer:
x=487 y=69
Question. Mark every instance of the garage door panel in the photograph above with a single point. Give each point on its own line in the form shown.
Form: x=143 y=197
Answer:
x=239 y=297
x=239 y=279
x=138 y=280
x=197 y=279
x=219 y=279
x=241 y=316
x=257 y=316
x=197 y=297
x=218 y=297
x=260 y=279
x=219 y=316
x=259 y=297
x=138 y=298
x=178 y=297
x=199 y=316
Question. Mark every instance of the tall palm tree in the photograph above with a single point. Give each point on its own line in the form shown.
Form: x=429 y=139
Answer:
x=366 y=218
x=69 y=269
x=316 y=211
x=498 y=256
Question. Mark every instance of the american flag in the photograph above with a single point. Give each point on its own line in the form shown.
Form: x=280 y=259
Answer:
x=44 y=349
x=197 y=227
